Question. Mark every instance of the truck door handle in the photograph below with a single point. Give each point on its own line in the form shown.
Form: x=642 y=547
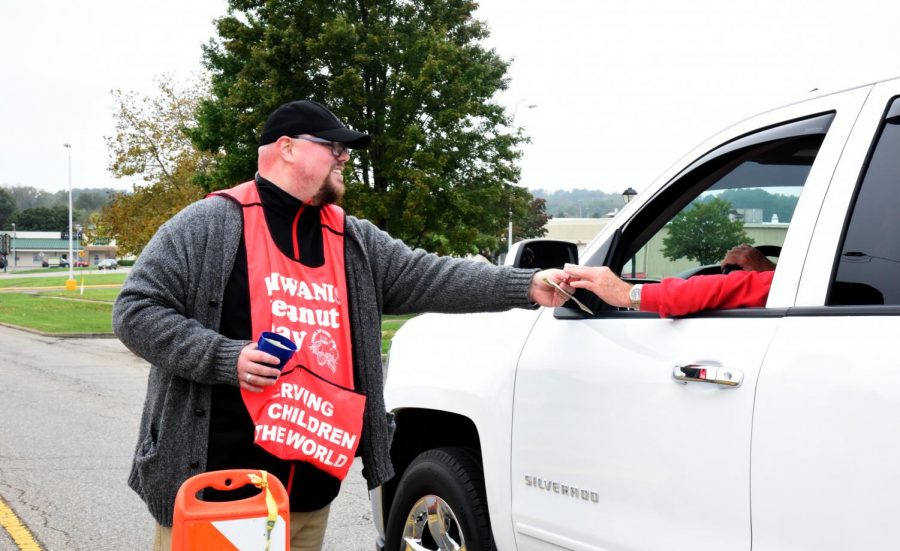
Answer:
x=697 y=373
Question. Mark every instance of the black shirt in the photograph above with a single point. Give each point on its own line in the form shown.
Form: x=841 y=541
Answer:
x=231 y=429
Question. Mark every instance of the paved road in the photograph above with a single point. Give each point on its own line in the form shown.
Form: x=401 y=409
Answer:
x=70 y=410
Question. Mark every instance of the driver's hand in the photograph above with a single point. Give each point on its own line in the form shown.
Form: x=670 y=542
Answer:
x=601 y=281
x=748 y=258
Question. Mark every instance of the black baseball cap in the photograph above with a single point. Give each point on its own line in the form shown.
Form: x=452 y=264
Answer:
x=308 y=117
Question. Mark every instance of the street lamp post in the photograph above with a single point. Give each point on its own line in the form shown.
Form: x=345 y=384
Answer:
x=70 y=284
x=509 y=234
x=512 y=122
x=15 y=262
x=516 y=110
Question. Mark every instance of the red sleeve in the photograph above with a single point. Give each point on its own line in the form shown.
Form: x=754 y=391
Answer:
x=677 y=297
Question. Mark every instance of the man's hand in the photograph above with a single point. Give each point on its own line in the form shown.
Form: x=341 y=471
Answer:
x=254 y=369
x=748 y=258
x=541 y=293
x=601 y=281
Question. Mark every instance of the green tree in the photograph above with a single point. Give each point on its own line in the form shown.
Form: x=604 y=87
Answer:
x=150 y=142
x=89 y=200
x=43 y=219
x=704 y=232
x=531 y=222
x=29 y=197
x=7 y=207
x=413 y=74
x=133 y=217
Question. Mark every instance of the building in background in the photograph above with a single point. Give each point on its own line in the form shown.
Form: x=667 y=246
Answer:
x=580 y=231
x=33 y=248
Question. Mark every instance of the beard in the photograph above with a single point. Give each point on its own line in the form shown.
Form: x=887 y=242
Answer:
x=330 y=192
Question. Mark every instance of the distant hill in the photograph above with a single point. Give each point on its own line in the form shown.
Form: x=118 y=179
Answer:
x=579 y=203
x=589 y=203
x=771 y=203
x=28 y=197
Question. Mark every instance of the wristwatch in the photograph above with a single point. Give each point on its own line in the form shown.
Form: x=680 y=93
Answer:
x=635 y=296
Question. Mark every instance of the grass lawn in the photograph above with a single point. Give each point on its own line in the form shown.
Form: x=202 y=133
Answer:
x=91 y=312
x=389 y=327
x=55 y=316
x=99 y=295
x=59 y=280
x=62 y=271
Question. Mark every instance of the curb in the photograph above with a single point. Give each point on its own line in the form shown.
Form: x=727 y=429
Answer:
x=60 y=335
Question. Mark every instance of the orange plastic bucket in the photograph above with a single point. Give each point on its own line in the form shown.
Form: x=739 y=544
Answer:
x=255 y=523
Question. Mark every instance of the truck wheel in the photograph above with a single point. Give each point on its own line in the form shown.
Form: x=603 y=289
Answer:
x=440 y=504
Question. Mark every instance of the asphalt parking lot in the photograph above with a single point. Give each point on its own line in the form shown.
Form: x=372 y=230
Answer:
x=70 y=413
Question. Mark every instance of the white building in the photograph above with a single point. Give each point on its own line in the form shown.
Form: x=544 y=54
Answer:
x=33 y=248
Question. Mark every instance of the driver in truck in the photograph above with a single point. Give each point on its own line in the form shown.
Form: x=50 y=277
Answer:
x=745 y=285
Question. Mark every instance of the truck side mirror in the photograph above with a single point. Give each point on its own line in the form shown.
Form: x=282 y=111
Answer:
x=544 y=253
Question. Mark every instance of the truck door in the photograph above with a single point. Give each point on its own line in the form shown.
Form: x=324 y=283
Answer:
x=609 y=450
x=825 y=446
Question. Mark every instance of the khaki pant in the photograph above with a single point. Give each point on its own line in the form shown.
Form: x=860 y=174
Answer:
x=307 y=532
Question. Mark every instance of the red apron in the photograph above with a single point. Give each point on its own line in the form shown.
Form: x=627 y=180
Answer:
x=312 y=413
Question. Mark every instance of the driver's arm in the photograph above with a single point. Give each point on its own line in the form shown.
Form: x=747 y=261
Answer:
x=675 y=296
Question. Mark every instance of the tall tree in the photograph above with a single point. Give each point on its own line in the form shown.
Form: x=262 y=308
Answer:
x=150 y=142
x=704 y=232
x=7 y=207
x=413 y=74
x=132 y=218
x=529 y=221
x=43 y=219
x=29 y=197
x=89 y=200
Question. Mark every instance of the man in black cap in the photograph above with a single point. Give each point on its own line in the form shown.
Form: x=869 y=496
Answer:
x=276 y=254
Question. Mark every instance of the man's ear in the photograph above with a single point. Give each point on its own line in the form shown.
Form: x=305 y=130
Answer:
x=286 y=149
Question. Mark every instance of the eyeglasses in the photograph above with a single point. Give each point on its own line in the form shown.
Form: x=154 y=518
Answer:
x=337 y=148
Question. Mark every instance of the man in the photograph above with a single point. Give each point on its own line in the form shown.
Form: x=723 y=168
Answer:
x=744 y=288
x=276 y=254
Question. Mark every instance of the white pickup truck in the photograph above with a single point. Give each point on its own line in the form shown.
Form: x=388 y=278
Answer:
x=557 y=429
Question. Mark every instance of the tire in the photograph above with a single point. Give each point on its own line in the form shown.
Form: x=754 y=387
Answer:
x=448 y=481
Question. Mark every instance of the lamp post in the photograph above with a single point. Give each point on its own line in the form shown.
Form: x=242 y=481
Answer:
x=70 y=283
x=15 y=263
x=516 y=110
x=510 y=231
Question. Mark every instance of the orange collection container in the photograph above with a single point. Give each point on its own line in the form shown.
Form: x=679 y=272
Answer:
x=231 y=525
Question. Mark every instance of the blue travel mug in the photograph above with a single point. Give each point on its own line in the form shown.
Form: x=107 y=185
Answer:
x=281 y=347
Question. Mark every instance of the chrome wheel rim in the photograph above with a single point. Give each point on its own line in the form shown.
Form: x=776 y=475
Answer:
x=431 y=525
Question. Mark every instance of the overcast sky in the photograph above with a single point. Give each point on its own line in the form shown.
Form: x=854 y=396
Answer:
x=621 y=89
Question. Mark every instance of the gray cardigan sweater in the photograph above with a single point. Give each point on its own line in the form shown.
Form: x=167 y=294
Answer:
x=169 y=311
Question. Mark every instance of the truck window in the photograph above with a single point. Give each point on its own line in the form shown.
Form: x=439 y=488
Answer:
x=743 y=192
x=867 y=270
